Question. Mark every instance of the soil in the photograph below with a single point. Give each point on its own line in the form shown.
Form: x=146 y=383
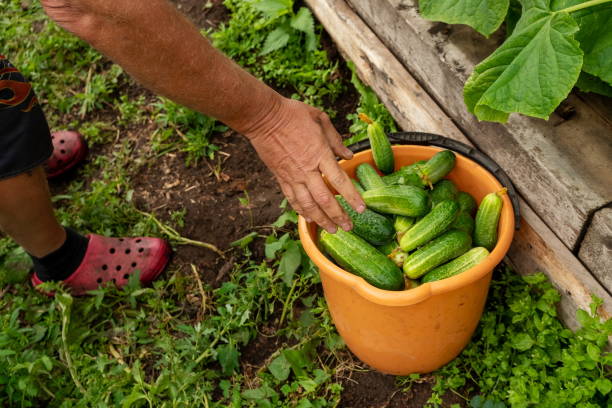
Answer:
x=204 y=14
x=375 y=390
x=212 y=202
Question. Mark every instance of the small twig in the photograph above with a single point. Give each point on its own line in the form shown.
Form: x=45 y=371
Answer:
x=201 y=289
x=4 y=291
x=172 y=233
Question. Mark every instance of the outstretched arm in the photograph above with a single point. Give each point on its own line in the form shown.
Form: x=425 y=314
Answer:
x=161 y=49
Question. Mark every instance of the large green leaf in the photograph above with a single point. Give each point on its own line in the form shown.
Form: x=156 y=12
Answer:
x=594 y=36
x=590 y=83
x=532 y=71
x=485 y=16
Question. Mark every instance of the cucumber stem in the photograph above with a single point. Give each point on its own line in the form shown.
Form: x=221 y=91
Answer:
x=502 y=191
x=584 y=5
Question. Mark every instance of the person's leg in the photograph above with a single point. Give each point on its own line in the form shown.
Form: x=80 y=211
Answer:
x=26 y=214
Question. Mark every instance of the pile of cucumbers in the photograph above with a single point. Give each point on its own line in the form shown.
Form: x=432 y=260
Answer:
x=416 y=220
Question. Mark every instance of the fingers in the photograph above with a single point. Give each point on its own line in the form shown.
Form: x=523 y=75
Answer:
x=290 y=195
x=342 y=183
x=327 y=202
x=311 y=209
x=334 y=138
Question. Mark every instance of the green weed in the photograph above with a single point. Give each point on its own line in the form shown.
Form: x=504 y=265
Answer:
x=522 y=355
x=270 y=40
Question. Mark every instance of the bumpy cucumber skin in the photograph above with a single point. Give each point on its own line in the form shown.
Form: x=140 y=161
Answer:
x=437 y=167
x=373 y=227
x=399 y=200
x=358 y=186
x=467 y=203
x=487 y=218
x=448 y=246
x=461 y=264
x=360 y=258
x=463 y=222
x=368 y=177
x=430 y=226
x=406 y=176
x=381 y=148
x=387 y=248
x=443 y=190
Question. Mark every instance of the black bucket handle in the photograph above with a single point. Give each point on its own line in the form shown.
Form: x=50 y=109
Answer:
x=430 y=139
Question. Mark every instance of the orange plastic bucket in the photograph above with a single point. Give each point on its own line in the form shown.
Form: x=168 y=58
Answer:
x=417 y=330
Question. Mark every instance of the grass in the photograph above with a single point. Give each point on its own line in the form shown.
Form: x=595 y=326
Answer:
x=182 y=342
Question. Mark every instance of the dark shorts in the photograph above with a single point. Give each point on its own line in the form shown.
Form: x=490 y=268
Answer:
x=25 y=140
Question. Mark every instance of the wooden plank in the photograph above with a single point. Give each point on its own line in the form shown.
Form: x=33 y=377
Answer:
x=409 y=104
x=536 y=247
x=558 y=165
x=596 y=248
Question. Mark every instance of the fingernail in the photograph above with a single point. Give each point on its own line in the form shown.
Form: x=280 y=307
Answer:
x=347 y=226
x=361 y=208
x=331 y=230
x=349 y=154
x=308 y=219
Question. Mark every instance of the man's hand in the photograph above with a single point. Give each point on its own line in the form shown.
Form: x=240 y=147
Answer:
x=299 y=144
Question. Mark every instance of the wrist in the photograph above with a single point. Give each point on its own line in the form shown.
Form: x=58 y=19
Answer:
x=261 y=116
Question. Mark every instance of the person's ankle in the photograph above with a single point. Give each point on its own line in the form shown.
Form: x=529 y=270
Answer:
x=64 y=260
x=48 y=244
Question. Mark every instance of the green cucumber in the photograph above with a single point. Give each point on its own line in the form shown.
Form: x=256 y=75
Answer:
x=358 y=186
x=443 y=190
x=369 y=177
x=430 y=226
x=487 y=218
x=449 y=245
x=406 y=176
x=399 y=200
x=381 y=147
x=466 y=202
x=463 y=222
x=401 y=225
x=398 y=257
x=437 y=167
x=461 y=264
x=360 y=258
x=387 y=248
x=373 y=227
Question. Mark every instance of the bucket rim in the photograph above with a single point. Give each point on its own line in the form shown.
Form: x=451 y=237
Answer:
x=426 y=290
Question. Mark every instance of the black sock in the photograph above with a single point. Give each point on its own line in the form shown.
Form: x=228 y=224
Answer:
x=62 y=262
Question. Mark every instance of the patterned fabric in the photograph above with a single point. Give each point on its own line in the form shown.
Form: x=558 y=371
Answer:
x=25 y=141
x=15 y=92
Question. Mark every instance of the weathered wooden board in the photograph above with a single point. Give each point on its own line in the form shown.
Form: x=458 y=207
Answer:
x=596 y=248
x=536 y=247
x=558 y=165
